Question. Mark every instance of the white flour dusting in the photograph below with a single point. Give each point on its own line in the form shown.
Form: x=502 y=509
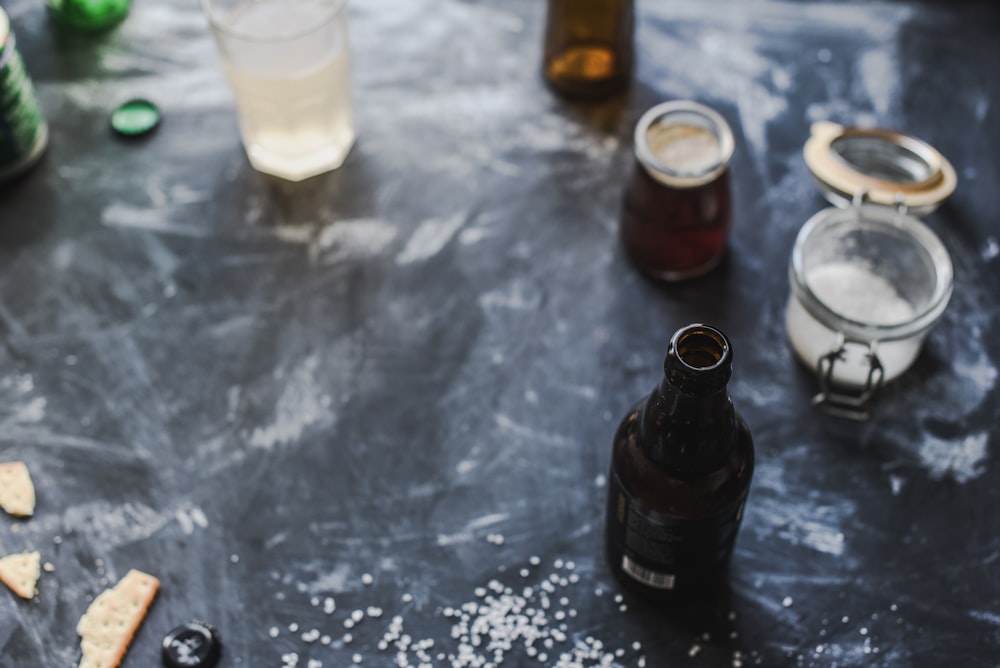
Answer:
x=300 y=405
x=151 y=219
x=991 y=249
x=518 y=296
x=963 y=460
x=363 y=237
x=110 y=526
x=189 y=518
x=33 y=411
x=430 y=238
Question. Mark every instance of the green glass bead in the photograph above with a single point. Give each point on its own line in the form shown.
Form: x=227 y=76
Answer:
x=135 y=117
x=89 y=15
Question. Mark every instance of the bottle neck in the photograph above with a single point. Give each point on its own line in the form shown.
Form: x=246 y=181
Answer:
x=688 y=434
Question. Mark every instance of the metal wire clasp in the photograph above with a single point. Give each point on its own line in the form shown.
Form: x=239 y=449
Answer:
x=841 y=402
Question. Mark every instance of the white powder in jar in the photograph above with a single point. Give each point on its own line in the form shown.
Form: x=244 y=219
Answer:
x=857 y=294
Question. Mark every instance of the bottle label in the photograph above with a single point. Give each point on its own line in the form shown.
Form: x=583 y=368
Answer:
x=663 y=552
x=22 y=128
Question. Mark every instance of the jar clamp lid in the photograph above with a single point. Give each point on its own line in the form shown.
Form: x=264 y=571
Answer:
x=886 y=167
x=856 y=265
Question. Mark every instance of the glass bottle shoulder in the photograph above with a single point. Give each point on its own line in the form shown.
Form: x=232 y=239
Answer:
x=658 y=489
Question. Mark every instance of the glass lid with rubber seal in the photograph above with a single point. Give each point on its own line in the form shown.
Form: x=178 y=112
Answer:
x=884 y=167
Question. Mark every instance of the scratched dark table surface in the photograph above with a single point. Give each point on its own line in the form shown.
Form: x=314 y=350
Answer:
x=329 y=415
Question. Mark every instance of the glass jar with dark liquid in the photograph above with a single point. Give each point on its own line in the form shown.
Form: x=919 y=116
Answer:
x=677 y=210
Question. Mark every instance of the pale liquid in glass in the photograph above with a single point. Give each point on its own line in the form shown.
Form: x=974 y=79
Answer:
x=293 y=99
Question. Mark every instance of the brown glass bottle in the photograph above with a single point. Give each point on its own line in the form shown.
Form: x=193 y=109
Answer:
x=589 y=46
x=677 y=209
x=681 y=465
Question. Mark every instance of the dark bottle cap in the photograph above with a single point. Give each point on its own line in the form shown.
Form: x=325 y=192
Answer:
x=194 y=644
x=135 y=117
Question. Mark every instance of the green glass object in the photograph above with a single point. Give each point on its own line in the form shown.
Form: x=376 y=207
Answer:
x=89 y=15
x=135 y=117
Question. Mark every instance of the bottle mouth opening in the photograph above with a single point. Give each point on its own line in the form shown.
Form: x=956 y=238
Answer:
x=701 y=349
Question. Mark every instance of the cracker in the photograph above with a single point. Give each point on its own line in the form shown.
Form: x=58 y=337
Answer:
x=20 y=572
x=109 y=624
x=17 y=494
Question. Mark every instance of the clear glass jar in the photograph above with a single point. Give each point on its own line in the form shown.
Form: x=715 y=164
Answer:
x=868 y=281
x=677 y=208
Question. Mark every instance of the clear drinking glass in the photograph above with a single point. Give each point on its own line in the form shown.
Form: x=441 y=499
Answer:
x=289 y=65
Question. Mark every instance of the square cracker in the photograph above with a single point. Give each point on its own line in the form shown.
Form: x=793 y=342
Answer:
x=17 y=493
x=108 y=625
x=20 y=572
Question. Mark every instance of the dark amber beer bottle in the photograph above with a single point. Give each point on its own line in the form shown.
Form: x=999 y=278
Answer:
x=588 y=46
x=681 y=465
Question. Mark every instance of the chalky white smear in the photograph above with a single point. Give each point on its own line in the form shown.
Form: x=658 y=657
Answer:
x=300 y=405
x=962 y=460
x=430 y=238
x=811 y=521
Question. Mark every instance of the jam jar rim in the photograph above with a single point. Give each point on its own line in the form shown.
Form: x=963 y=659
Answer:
x=717 y=123
x=875 y=215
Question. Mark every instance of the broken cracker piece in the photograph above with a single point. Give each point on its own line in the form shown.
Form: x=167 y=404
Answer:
x=17 y=493
x=109 y=624
x=20 y=572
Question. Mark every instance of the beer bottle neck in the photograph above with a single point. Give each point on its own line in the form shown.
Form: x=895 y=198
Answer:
x=688 y=424
x=688 y=434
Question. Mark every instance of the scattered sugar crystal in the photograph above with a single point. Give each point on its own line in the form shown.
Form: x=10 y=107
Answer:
x=348 y=638
x=293 y=627
x=311 y=636
x=273 y=632
x=373 y=611
x=534 y=561
x=329 y=605
x=314 y=663
x=407 y=598
x=357 y=615
x=367 y=579
x=787 y=602
x=325 y=640
x=357 y=658
x=695 y=650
